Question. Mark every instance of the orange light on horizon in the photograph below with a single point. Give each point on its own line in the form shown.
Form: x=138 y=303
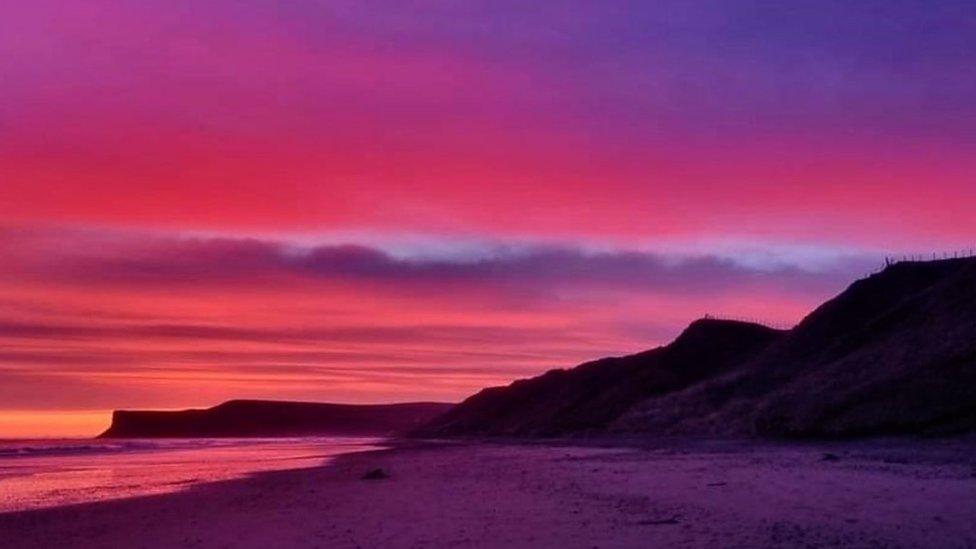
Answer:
x=53 y=424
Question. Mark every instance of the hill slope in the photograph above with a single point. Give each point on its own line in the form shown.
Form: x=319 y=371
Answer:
x=593 y=394
x=893 y=354
x=264 y=418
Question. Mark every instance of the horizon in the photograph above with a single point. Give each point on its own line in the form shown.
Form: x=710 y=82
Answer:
x=378 y=203
x=83 y=424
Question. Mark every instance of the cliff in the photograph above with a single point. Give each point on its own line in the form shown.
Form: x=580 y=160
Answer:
x=894 y=354
x=593 y=394
x=264 y=418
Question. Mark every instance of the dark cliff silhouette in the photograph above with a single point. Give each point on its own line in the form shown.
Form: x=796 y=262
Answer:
x=266 y=418
x=895 y=353
x=593 y=394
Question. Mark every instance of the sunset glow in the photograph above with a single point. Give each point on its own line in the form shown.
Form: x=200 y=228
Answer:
x=375 y=202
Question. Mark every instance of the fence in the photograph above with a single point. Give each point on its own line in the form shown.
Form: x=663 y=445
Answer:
x=891 y=260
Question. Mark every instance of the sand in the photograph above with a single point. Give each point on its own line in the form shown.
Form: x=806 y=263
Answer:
x=666 y=494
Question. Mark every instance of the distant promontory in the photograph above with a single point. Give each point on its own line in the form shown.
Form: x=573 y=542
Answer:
x=268 y=418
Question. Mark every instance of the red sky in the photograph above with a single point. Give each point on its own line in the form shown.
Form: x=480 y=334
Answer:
x=368 y=202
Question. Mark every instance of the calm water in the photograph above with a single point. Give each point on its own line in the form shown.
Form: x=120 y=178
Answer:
x=48 y=473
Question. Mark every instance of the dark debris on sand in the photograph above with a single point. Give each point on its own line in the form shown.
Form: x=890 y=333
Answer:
x=376 y=474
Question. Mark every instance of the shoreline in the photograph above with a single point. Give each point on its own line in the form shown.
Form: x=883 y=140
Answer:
x=568 y=493
x=39 y=475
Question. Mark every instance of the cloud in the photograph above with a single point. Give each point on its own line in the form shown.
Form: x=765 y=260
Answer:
x=390 y=335
x=126 y=260
x=193 y=319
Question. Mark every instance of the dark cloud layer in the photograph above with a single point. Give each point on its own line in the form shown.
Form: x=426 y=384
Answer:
x=521 y=269
x=211 y=318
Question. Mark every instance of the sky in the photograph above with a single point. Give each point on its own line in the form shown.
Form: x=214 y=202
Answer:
x=378 y=201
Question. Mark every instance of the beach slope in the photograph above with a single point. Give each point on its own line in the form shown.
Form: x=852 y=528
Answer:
x=702 y=494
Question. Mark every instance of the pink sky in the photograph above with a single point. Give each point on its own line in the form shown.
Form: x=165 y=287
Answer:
x=368 y=202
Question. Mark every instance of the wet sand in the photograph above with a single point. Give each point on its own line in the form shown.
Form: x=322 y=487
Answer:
x=667 y=494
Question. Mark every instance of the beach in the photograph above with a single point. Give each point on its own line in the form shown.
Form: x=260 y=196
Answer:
x=689 y=494
x=43 y=473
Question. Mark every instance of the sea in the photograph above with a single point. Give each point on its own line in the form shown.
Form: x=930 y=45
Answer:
x=36 y=474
